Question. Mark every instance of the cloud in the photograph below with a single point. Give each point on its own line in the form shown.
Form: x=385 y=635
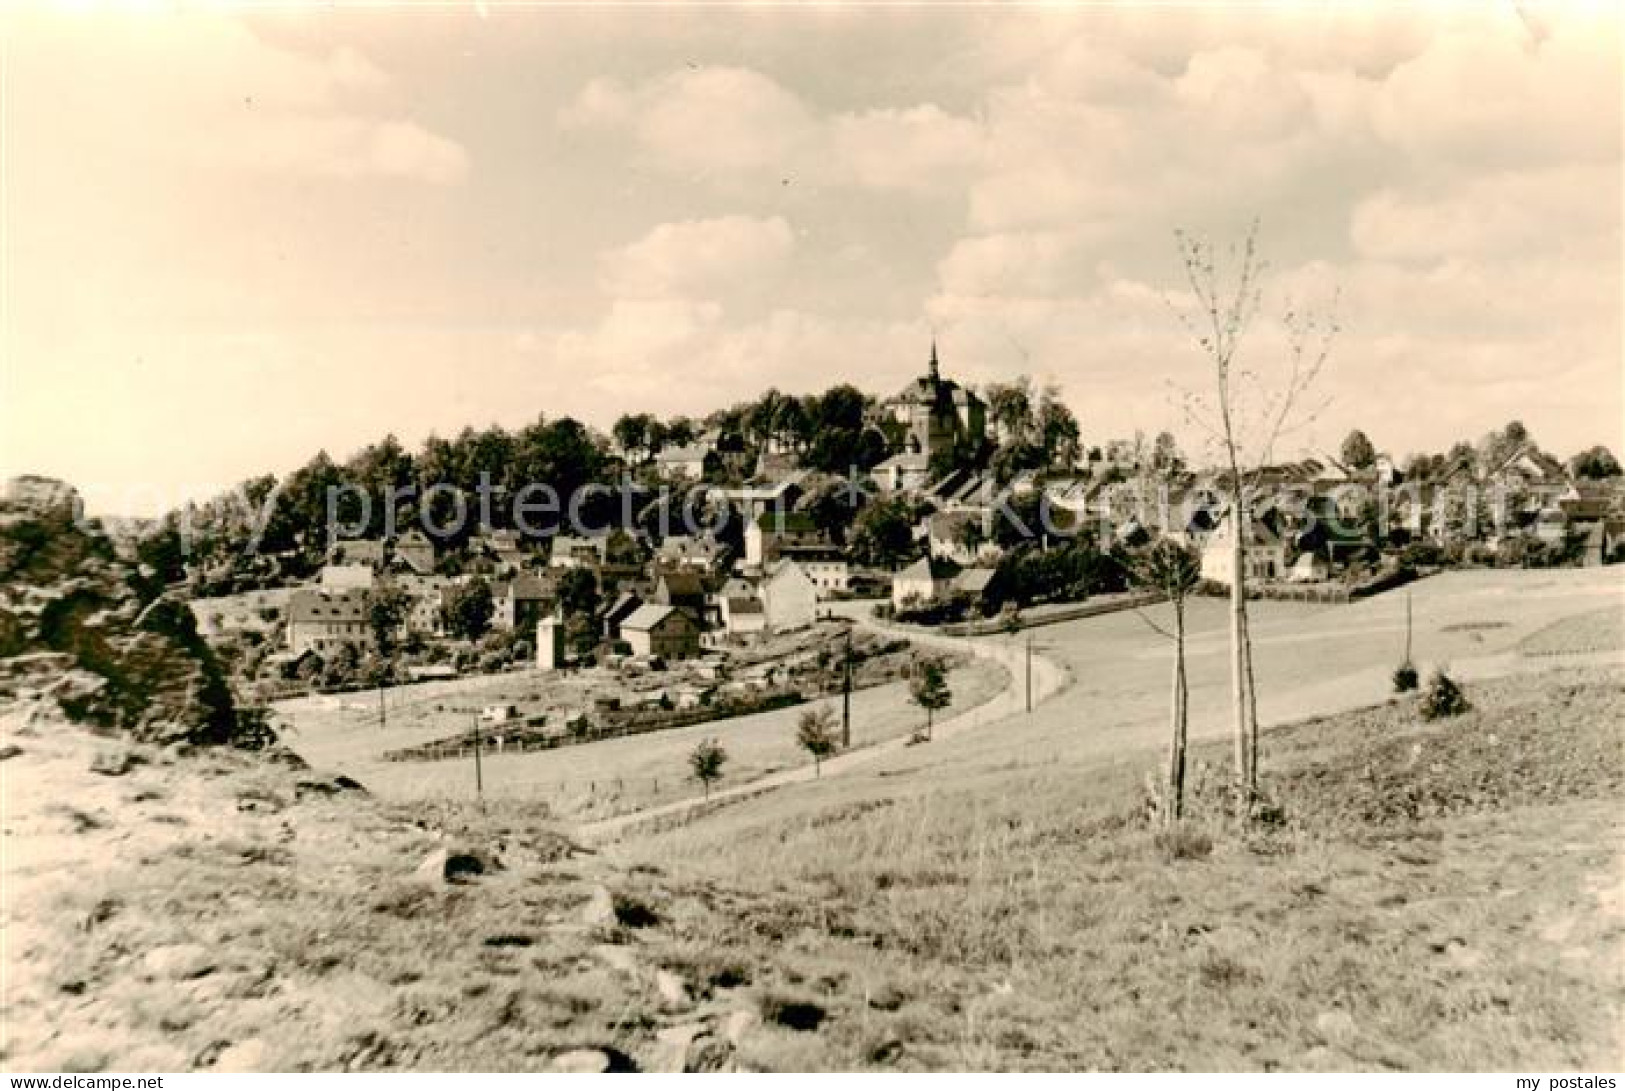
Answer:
x=700 y=258
x=736 y=126
x=1504 y=216
x=227 y=98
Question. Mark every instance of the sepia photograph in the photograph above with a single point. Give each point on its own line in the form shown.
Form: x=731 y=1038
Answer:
x=934 y=537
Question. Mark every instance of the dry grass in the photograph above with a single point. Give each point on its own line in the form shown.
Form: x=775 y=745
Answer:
x=1594 y=631
x=1410 y=913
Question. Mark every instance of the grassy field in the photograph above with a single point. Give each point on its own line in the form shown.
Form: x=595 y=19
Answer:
x=1434 y=896
x=1442 y=896
x=600 y=779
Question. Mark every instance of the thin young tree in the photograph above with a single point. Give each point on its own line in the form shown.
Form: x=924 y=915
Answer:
x=1174 y=570
x=1247 y=412
x=816 y=734
x=705 y=762
x=929 y=690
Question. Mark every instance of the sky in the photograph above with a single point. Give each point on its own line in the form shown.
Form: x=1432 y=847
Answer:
x=234 y=237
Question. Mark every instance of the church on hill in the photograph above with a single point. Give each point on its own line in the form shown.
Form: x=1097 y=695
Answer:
x=929 y=416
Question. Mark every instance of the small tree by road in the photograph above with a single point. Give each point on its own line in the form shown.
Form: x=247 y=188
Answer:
x=929 y=690
x=816 y=734
x=1175 y=571
x=705 y=763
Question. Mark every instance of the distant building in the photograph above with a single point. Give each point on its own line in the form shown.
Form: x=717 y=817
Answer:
x=936 y=415
x=346 y=577
x=827 y=570
x=772 y=533
x=924 y=581
x=572 y=552
x=324 y=623
x=682 y=589
x=663 y=631
x=425 y=613
x=743 y=615
x=975 y=583
x=618 y=611
x=519 y=603
x=906 y=471
x=789 y=597
x=416 y=552
x=964 y=537
x=549 y=643
x=688 y=462
x=704 y=554
x=1266 y=554
x=1309 y=568
x=755 y=500
x=352 y=551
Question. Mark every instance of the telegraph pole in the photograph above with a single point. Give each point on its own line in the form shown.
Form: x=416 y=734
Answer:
x=1029 y=672
x=479 y=772
x=846 y=695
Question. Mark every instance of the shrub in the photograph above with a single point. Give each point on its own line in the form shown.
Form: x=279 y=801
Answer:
x=1182 y=842
x=1405 y=678
x=1443 y=697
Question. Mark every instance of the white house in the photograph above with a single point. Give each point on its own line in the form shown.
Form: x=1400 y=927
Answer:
x=789 y=597
x=1266 y=554
x=686 y=462
x=923 y=581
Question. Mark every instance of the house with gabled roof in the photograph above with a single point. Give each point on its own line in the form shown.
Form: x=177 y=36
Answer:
x=519 y=603
x=1265 y=553
x=625 y=604
x=415 y=550
x=689 y=462
x=789 y=597
x=772 y=532
x=569 y=551
x=323 y=623
x=924 y=581
x=653 y=630
x=682 y=589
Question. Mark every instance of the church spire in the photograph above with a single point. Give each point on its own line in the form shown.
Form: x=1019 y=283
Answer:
x=934 y=375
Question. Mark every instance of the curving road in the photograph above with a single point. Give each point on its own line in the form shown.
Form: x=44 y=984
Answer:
x=1048 y=679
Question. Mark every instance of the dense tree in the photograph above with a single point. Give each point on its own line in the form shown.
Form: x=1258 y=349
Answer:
x=929 y=690
x=816 y=734
x=1357 y=451
x=1498 y=446
x=387 y=607
x=631 y=432
x=1594 y=463
x=1058 y=430
x=468 y=609
x=1166 y=459
x=883 y=533
x=705 y=763
x=578 y=592
x=1010 y=407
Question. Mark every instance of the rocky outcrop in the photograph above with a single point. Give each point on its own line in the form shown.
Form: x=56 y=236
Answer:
x=80 y=628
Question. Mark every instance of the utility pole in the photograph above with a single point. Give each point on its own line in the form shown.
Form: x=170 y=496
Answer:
x=1029 y=672
x=382 y=719
x=1407 y=626
x=846 y=695
x=479 y=772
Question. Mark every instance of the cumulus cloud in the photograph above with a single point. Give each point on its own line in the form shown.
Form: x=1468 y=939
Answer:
x=737 y=125
x=700 y=258
x=1455 y=176
x=226 y=97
